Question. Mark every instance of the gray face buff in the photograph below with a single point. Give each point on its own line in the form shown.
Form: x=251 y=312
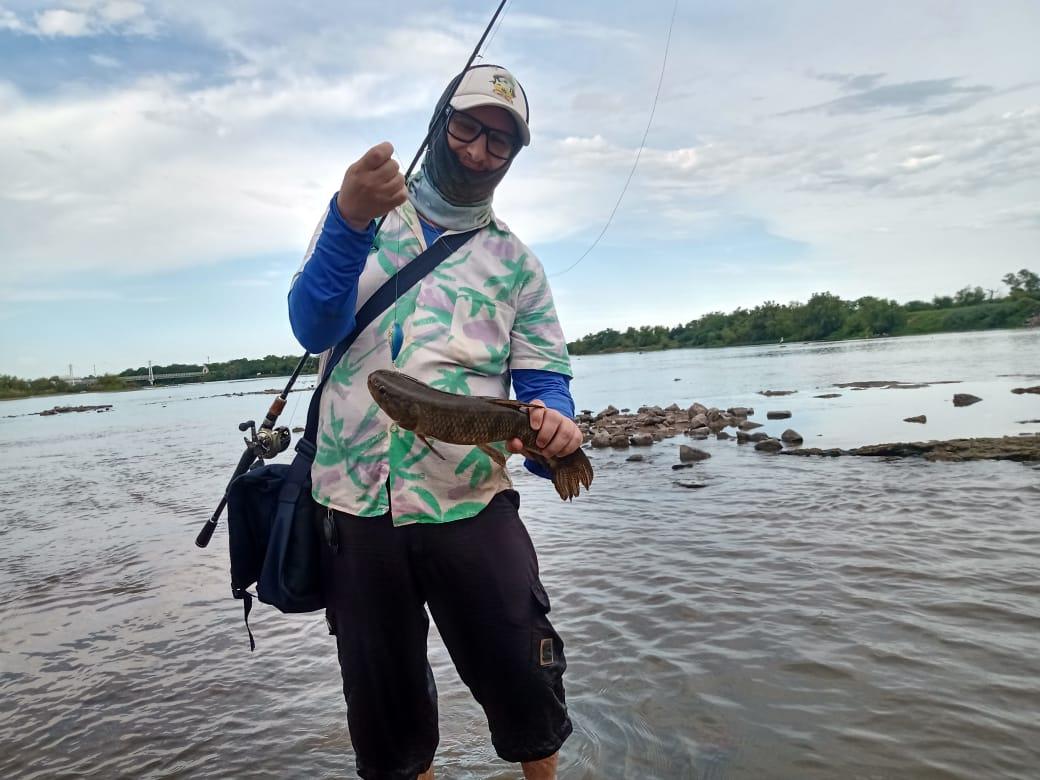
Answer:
x=458 y=184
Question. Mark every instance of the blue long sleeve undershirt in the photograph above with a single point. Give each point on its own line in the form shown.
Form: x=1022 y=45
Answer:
x=323 y=298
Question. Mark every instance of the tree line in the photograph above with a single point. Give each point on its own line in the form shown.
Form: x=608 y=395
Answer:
x=240 y=368
x=829 y=317
x=824 y=317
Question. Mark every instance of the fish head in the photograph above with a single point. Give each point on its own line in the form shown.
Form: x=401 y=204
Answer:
x=390 y=391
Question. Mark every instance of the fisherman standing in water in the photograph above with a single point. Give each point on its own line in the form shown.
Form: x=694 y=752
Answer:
x=410 y=530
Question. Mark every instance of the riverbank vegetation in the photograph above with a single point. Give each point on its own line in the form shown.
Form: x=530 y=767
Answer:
x=240 y=368
x=828 y=317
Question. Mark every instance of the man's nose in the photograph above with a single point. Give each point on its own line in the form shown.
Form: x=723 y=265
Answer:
x=477 y=149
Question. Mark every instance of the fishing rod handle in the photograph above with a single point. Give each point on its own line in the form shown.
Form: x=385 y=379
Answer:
x=206 y=533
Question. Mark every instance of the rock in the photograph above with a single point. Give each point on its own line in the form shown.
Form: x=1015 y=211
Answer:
x=696 y=409
x=635 y=458
x=298 y=429
x=610 y=411
x=641 y=440
x=919 y=419
x=778 y=415
x=68 y=409
x=791 y=437
x=1021 y=390
x=657 y=437
x=688 y=454
x=760 y=436
x=747 y=425
x=742 y=438
x=672 y=407
x=769 y=445
x=965 y=399
x=699 y=421
x=586 y=411
x=722 y=435
x=828 y=395
x=679 y=466
x=740 y=411
x=601 y=439
x=619 y=441
x=625 y=411
x=1017 y=448
x=677 y=379
x=771 y=393
x=700 y=433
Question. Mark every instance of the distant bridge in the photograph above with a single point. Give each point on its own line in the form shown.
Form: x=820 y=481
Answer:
x=151 y=376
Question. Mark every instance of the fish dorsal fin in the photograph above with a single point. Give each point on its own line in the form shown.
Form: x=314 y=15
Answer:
x=512 y=404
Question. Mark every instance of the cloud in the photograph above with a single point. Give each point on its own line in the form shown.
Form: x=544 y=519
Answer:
x=935 y=95
x=852 y=81
x=87 y=18
x=9 y=21
x=58 y=22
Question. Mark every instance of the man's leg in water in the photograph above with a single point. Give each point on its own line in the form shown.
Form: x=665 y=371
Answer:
x=533 y=770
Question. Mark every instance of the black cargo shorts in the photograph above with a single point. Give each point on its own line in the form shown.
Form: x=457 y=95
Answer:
x=479 y=579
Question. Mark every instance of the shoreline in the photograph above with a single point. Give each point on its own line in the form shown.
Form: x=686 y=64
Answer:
x=797 y=343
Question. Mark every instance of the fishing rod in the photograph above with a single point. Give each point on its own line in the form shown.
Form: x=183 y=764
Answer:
x=269 y=441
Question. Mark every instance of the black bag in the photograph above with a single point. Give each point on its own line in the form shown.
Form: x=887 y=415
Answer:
x=274 y=528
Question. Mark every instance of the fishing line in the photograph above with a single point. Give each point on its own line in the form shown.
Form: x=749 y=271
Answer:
x=639 y=151
x=497 y=28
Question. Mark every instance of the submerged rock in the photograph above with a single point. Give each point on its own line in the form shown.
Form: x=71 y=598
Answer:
x=828 y=395
x=1016 y=448
x=1021 y=390
x=918 y=419
x=635 y=458
x=780 y=414
x=771 y=393
x=641 y=440
x=769 y=445
x=965 y=399
x=688 y=454
x=69 y=409
x=601 y=439
x=791 y=437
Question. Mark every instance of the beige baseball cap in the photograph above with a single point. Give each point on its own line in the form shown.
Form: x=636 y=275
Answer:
x=492 y=85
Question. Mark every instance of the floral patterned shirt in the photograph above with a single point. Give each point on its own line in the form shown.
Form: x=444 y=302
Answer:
x=483 y=311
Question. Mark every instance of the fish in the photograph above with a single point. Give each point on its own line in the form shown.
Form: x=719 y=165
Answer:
x=476 y=420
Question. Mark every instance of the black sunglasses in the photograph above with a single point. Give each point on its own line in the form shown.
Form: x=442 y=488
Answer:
x=467 y=129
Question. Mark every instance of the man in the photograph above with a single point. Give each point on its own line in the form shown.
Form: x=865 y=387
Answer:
x=408 y=529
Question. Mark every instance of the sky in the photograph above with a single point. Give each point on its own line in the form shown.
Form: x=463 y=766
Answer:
x=163 y=164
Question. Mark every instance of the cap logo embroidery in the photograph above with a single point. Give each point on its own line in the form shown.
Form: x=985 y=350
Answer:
x=504 y=87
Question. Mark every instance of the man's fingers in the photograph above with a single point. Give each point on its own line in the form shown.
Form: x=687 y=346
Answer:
x=386 y=172
x=515 y=445
x=547 y=430
x=376 y=156
x=391 y=189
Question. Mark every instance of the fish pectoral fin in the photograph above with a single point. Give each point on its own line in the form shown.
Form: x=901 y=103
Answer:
x=426 y=441
x=538 y=457
x=494 y=453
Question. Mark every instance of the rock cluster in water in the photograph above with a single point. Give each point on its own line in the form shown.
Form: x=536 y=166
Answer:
x=621 y=429
x=68 y=409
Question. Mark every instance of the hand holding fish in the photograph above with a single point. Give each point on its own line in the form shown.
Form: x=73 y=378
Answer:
x=371 y=187
x=557 y=435
x=480 y=420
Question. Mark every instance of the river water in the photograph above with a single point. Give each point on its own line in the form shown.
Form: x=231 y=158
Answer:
x=790 y=618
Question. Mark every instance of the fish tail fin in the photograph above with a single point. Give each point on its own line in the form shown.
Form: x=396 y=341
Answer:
x=570 y=473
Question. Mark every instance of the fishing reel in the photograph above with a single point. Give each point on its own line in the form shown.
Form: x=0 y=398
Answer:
x=267 y=442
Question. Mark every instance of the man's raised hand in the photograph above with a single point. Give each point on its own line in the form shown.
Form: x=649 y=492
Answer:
x=371 y=187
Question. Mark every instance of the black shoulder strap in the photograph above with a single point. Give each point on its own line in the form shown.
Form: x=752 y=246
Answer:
x=394 y=287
